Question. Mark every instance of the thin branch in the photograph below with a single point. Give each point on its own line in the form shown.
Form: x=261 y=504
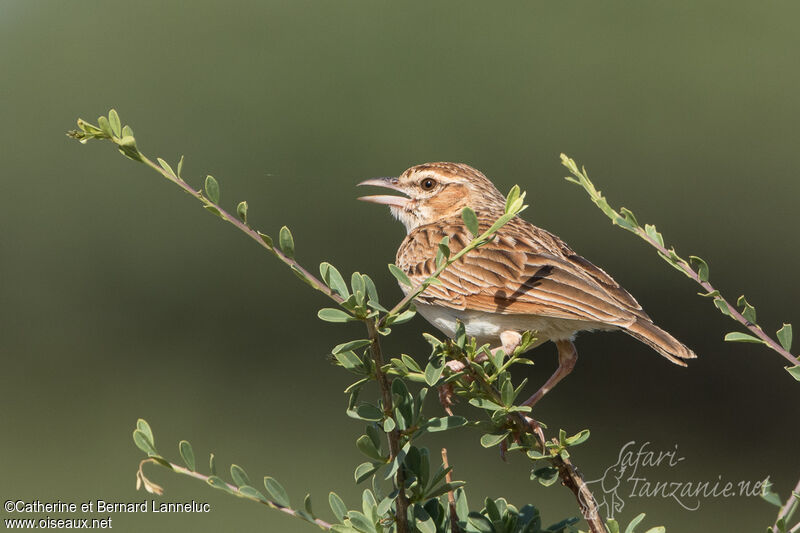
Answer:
x=567 y=472
x=232 y=488
x=734 y=313
x=385 y=384
x=250 y=232
x=626 y=220
x=451 y=499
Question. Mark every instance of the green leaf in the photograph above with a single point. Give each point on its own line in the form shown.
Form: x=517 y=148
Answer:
x=239 y=476
x=367 y=447
x=113 y=120
x=654 y=234
x=423 y=520
x=634 y=523
x=470 y=221
x=410 y=363
x=367 y=411
x=252 y=492
x=361 y=522
x=187 y=454
x=748 y=311
x=546 y=476
x=338 y=507
x=364 y=471
x=167 y=168
x=212 y=189
x=307 y=504
x=511 y=197
x=444 y=423
x=286 y=242
x=736 y=336
x=330 y=314
x=144 y=427
x=712 y=294
x=349 y=360
x=785 y=336
x=267 y=240
x=219 y=483
x=434 y=371
x=357 y=283
x=447 y=487
x=128 y=132
x=127 y=147
x=488 y=440
x=578 y=438
x=507 y=393
x=212 y=464
x=369 y=505
x=404 y=317
x=629 y=217
x=722 y=306
x=143 y=442
x=399 y=274
x=105 y=126
x=276 y=491
x=180 y=161
x=372 y=292
x=794 y=371
x=241 y=210
x=342 y=528
x=444 y=251
x=214 y=210
x=352 y=345
x=485 y=404
x=769 y=495
x=333 y=279
x=480 y=523
x=388 y=425
x=701 y=267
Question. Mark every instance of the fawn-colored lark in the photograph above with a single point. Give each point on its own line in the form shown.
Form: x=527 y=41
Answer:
x=525 y=279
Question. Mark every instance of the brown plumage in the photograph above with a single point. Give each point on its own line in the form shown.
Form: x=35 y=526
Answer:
x=524 y=279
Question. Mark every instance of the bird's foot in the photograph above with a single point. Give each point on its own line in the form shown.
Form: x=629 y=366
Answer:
x=535 y=428
x=447 y=398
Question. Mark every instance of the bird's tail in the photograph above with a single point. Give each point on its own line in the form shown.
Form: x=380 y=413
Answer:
x=660 y=341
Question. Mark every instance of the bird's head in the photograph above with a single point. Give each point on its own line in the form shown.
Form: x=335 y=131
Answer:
x=434 y=191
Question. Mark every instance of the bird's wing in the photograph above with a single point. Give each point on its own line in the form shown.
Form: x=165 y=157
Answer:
x=524 y=270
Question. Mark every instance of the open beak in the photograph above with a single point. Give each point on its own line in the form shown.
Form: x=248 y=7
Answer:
x=387 y=183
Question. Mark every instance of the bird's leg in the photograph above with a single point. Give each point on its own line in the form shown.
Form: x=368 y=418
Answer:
x=509 y=341
x=567 y=357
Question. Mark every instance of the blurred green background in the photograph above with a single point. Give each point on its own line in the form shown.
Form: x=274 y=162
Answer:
x=122 y=299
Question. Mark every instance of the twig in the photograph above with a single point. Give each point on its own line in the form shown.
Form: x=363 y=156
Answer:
x=232 y=488
x=626 y=220
x=250 y=232
x=385 y=384
x=567 y=472
x=451 y=499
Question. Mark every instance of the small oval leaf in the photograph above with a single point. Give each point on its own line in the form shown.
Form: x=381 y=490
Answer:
x=276 y=491
x=286 y=242
x=212 y=189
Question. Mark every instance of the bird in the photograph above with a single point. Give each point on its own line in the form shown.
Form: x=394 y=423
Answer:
x=524 y=279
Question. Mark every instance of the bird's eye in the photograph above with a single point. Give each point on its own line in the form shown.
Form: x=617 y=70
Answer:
x=427 y=184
